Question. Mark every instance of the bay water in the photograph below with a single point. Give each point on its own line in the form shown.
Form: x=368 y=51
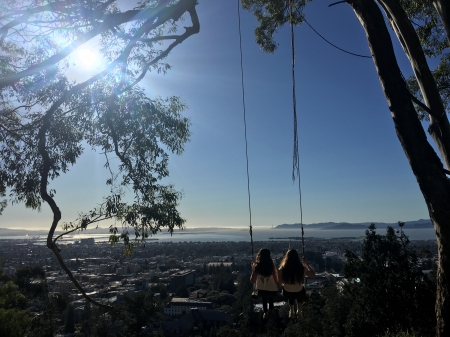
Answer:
x=237 y=234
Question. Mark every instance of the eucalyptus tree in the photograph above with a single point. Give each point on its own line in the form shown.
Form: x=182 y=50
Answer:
x=47 y=118
x=422 y=28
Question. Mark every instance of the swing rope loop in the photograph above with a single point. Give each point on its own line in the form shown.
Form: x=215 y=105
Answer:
x=295 y=155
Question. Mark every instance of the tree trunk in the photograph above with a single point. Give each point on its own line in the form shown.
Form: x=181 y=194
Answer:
x=46 y=166
x=443 y=8
x=439 y=128
x=424 y=162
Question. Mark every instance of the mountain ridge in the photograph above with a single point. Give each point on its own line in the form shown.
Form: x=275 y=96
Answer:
x=415 y=224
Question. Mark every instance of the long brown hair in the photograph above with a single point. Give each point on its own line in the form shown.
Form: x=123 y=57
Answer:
x=291 y=268
x=263 y=265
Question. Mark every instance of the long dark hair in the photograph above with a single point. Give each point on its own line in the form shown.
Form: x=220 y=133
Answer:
x=291 y=268
x=263 y=265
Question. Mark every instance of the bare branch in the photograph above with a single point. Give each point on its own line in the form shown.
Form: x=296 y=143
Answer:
x=5 y=113
x=66 y=233
x=423 y=106
x=195 y=29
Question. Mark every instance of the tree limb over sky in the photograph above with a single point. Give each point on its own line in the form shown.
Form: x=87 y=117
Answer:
x=46 y=118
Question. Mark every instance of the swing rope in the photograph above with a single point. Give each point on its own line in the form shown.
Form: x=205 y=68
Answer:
x=245 y=125
x=295 y=155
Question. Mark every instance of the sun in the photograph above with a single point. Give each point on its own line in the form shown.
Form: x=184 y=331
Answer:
x=86 y=57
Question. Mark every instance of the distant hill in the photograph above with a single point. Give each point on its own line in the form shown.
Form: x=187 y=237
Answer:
x=21 y=232
x=422 y=223
x=42 y=233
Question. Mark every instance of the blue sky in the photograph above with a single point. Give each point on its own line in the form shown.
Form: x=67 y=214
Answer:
x=353 y=168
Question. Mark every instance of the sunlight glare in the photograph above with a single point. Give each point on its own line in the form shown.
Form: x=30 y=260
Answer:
x=86 y=57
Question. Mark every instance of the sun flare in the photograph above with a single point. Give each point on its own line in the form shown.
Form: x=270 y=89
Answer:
x=86 y=57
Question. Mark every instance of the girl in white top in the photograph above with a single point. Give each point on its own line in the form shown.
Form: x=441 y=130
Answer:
x=291 y=275
x=265 y=276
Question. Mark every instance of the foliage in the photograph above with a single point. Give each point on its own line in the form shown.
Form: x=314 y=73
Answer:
x=10 y=297
x=226 y=331
x=85 y=327
x=53 y=317
x=430 y=31
x=60 y=301
x=31 y=280
x=223 y=279
x=70 y=320
x=163 y=292
x=138 y=310
x=220 y=298
x=48 y=118
x=313 y=322
x=401 y=334
x=392 y=293
x=391 y=297
x=333 y=265
x=428 y=25
x=103 y=112
x=14 y=322
x=335 y=310
x=182 y=292
x=4 y=202
x=301 y=329
x=272 y=14
x=242 y=306
x=161 y=289
x=442 y=77
x=26 y=274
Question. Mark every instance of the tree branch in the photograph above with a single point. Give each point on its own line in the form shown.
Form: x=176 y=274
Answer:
x=4 y=30
x=5 y=113
x=155 y=17
x=55 y=250
x=423 y=106
x=439 y=128
x=195 y=29
x=65 y=233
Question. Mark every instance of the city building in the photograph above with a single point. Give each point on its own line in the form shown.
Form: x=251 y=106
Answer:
x=178 y=306
x=182 y=279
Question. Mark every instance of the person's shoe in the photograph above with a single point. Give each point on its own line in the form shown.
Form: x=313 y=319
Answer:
x=291 y=313
x=299 y=315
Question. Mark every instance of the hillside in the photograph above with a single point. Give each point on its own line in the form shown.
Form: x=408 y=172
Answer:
x=422 y=223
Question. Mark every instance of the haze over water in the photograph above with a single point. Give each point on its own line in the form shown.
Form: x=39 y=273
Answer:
x=242 y=234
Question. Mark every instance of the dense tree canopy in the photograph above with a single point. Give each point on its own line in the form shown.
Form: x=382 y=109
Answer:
x=14 y=320
x=388 y=291
x=384 y=293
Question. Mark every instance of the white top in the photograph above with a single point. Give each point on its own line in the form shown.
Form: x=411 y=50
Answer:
x=266 y=283
x=293 y=288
